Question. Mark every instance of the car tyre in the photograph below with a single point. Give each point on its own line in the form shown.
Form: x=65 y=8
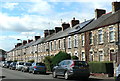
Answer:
x=33 y=72
x=66 y=76
x=54 y=74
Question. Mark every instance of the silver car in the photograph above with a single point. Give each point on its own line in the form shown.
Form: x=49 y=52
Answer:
x=118 y=73
x=19 y=65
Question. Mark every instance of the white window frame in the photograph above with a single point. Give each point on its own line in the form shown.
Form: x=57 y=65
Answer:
x=102 y=54
x=75 y=40
x=91 y=38
x=83 y=39
x=102 y=40
x=83 y=56
x=109 y=39
x=69 y=42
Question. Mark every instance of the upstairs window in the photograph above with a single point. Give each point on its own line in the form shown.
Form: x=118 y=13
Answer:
x=111 y=34
x=91 y=38
x=100 y=36
x=83 y=40
x=55 y=45
x=75 y=41
x=69 y=42
x=64 y=43
x=59 y=44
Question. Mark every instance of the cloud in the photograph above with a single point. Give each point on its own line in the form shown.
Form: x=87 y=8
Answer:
x=10 y=6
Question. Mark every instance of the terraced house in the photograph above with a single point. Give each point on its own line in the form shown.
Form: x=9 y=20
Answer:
x=96 y=39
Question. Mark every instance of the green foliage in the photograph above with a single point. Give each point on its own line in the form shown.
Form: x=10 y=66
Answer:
x=59 y=57
x=101 y=67
x=47 y=61
x=15 y=61
x=31 y=61
x=74 y=58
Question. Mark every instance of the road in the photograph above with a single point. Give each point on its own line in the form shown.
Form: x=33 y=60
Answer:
x=13 y=75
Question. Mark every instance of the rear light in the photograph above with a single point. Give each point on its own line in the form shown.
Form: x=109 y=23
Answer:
x=72 y=65
x=35 y=67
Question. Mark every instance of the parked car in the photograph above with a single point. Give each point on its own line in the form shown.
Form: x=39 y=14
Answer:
x=2 y=63
x=37 y=67
x=72 y=68
x=19 y=65
x=13 y=65
x=7 y=64
x=26 y=66
x=118 y=73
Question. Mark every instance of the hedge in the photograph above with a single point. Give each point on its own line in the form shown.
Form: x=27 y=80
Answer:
x=102 y=67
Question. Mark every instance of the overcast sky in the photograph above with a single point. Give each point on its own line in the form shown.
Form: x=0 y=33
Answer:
x=26 y=18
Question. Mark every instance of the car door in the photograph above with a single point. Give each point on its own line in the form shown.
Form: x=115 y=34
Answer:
x=59 y=68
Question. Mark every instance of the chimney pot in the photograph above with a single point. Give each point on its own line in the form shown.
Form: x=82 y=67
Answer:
x=74 y=22
x=24 y=42
x=115 y=6
x=65 y=26
x=99 y=12
x=37 y=37
x=51 y=32
x=57 y=29
x=29 y=40
x=46 y=33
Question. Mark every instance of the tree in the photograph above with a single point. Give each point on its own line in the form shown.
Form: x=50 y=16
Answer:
x=59 y=57
x=74 y=58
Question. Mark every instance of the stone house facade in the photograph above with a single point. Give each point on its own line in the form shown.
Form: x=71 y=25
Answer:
x=92 y=40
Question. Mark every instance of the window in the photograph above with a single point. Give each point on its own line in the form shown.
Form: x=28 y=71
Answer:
x=101 y=56
x=90 y=38
x=51 y=46
x=111 y=34
x=91 y=56
x=83 y=56
x=69 y=42
x=100 y=36
x=59 y=44
x=55 y=45
x=83 y=40
x=75 y=41
x=64 y=44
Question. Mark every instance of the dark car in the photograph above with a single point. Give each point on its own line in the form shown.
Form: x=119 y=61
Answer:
x=7 y=64
x=72 y=68
x=25 y=67
x=118 y=73
x=12 y=65
x=37 y=67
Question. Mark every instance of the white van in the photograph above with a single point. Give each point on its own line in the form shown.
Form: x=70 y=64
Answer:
x=19 y=65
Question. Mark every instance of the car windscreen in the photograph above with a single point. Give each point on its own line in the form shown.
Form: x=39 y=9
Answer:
x=40 y=64
x=21 y=63
x=80 y=63
x=28 y=64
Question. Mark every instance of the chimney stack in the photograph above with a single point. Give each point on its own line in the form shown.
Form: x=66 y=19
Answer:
x=29 y=40
x=46 y=33
x=37 y=37
x=74 y=22
x=115 y=6
x=99 y=12
x=65 y=26
x=57 y=29
x=51 y=32
x=24 y=42
x=18 y=44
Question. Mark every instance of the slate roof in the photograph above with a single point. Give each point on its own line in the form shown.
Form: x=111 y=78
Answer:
x=66 y=32
x=104 y=20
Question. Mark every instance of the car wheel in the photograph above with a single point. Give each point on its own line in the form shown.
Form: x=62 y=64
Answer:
x=33 y=72
x=66 y=75
x=54 y=74
x=117 y=79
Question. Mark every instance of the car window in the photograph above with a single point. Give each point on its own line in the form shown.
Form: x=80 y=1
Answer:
x=66 y=63
x=21 y=63
x=28 y=64
x=40 y=64
x=80 y=63
x=61 y=63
